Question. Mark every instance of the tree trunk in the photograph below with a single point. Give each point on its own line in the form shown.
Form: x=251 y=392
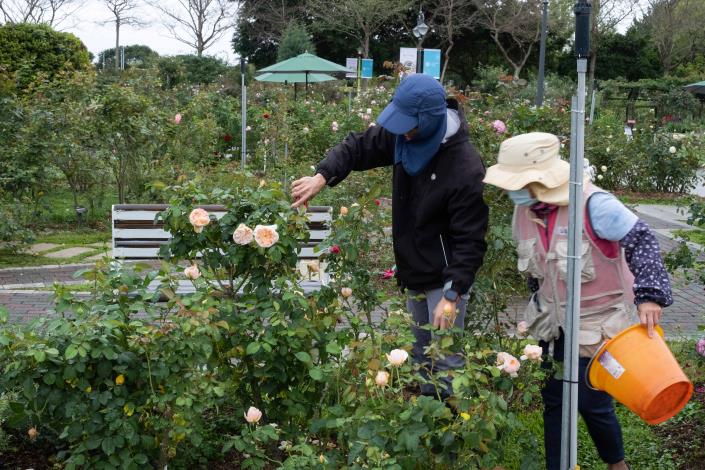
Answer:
x=117 y=44
x=366 y=45
x=447 y=58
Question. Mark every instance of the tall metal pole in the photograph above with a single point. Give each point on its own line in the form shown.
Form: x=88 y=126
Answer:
x=592 y=103
x=569 y=429
x=542 y=55
x=419 y=58
x=243 y=107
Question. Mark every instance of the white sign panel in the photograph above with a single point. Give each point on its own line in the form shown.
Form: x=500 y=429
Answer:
x=407 y=57
x=351 y=64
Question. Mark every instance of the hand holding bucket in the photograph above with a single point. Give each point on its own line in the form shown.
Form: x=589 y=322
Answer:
x=642 y=374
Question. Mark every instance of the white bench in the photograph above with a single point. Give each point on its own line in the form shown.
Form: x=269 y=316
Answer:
x=137 y=235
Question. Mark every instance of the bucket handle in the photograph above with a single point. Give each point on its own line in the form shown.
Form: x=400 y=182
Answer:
x=599 y=352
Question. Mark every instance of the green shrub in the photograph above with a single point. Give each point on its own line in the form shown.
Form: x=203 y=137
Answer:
x=32 y=49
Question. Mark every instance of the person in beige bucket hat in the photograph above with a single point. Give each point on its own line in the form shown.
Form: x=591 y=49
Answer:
x=621 y=267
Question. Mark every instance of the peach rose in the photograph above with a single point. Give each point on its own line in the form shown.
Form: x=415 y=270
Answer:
x=343 y=211
x=382 y=378
x=199 y=218
x=346 y=292
x=397 y=357
x=253 y=415
x=266 y=235
x=532 y=352
x=243 y=235
x=522 y=328
x=192 y=272
x=510 y=365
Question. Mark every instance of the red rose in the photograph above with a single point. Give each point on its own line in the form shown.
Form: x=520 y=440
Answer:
x=335 y=249
x=227 y=138
x=265 y=115
x=378 y=202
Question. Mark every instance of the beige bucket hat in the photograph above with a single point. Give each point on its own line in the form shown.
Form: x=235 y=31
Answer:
x=529 y=158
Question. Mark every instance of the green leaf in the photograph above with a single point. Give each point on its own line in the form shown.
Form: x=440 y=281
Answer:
x=333 y=348
x=316 y=374
x=40 y=355
x=303 y=356
x=108 y=445
x=253 y=348
x=71 y=351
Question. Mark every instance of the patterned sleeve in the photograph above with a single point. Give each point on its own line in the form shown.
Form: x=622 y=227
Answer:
x=643 y=256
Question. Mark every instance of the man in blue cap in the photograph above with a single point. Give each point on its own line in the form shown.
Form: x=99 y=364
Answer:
x=439 y=217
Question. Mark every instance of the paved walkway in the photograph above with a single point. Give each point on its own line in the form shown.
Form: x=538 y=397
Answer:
x=19 y=294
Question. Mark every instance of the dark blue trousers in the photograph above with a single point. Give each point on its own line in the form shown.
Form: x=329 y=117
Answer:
x=596 y=408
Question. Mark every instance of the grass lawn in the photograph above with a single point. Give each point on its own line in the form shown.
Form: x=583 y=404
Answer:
x=695 y=236
x=65 y=239
x=676 y=444
x=669 y=199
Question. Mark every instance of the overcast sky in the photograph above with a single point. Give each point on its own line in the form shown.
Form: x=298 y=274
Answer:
x=88 y=24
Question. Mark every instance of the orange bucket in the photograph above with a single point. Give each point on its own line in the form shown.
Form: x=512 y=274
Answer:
x=642 y=374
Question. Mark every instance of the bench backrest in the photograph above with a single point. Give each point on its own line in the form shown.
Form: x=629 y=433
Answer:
x=137 y=236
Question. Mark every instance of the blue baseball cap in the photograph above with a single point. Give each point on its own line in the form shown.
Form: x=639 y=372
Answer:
x=417 y=94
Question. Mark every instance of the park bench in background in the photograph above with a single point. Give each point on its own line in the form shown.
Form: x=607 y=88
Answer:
x=136 y=235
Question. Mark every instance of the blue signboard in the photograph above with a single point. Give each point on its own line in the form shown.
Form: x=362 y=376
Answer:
x=432 y=63
x=366 y=68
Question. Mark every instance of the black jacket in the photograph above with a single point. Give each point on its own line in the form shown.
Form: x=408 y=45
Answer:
x=439 y=217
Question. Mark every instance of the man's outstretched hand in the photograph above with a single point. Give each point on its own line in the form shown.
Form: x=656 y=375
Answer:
x=304 y=189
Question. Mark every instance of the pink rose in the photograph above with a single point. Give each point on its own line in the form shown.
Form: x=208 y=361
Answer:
x=334 y=250
x=192 y=272
x=334 y=126
x=499 y=127
x=177 y=118
x=199 y=218
x=397 y=357
x=388 y=274
x=243 y=235
x=532 y=352
x=700 y=347
x=253 y=415
x=522 y=328
x=382 y=378
x=266 y=235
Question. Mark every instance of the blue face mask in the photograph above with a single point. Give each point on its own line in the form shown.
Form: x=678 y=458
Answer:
x=522 y=197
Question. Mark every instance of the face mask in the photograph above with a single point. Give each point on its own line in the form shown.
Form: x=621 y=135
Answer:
x=522 y=197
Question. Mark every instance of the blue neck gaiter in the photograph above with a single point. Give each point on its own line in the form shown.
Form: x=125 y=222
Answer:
x=416 y=154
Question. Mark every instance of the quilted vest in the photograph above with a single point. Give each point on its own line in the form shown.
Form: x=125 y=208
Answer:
x=606 y=301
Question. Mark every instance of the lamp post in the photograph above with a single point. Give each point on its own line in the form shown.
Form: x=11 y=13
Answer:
x=542 y=54
x=569 y=426
x=420 y=30
x=359 y=69
x=243 y=108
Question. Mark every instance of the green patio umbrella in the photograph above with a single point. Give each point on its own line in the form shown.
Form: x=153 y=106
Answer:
x=294 y=77
x=696 y=88
x=306 y=64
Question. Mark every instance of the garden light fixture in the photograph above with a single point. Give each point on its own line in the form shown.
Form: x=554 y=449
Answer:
x=420 y=30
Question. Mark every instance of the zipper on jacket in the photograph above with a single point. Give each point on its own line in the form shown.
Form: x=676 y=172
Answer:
x=443 y=247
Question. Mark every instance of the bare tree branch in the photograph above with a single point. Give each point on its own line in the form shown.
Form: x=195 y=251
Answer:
x=450 y=19
x=514 y=25
x=198 y=23
x=358 y=19
x=123 y=13
x=51 y=12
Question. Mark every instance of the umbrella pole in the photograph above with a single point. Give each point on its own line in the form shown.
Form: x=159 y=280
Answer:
x=306 y=84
